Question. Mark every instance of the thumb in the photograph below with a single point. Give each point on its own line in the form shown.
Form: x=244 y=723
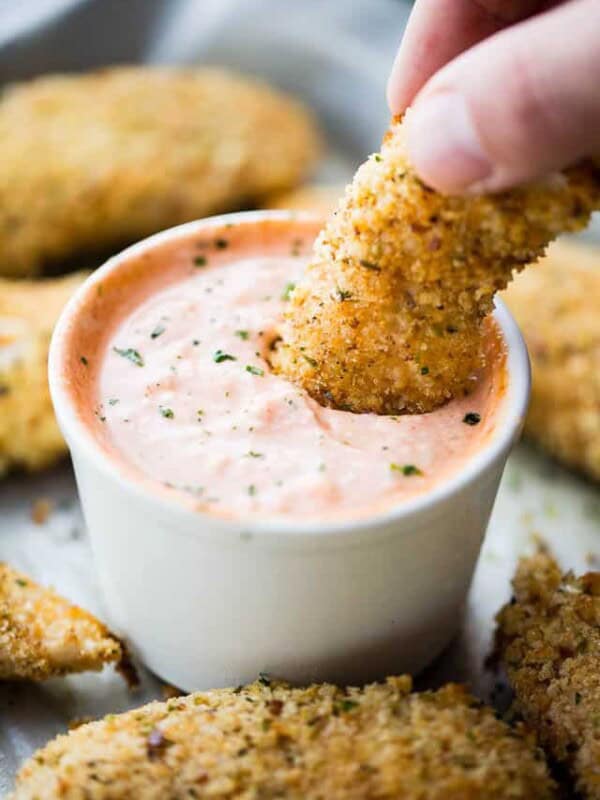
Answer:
x=521 y=104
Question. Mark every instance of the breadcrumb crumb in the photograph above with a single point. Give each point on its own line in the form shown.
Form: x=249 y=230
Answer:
x=41 y=510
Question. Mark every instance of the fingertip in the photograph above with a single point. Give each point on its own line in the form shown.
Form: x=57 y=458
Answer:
x=512 y=109
x=444 y=145
x=397 y=93
x=390 y=96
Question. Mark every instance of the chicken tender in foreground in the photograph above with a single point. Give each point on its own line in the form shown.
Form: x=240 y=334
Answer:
x=557 y=305
x=42 y=635
x=387 y=318
x=29 y=435
x=272 y=741
x=548 y=638
x=91 y=162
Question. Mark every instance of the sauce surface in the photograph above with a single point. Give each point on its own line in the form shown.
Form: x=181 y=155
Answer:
x=185 y=395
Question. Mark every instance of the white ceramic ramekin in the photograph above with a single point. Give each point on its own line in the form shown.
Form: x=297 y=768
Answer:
x=209 y=602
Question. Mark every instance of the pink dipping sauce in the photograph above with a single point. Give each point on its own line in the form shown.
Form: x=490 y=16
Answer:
x=184 y=395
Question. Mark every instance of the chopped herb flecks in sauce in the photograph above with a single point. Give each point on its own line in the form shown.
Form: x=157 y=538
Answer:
x=289 y=288
x=219 y=356
x=131 y=354
x=406 y=469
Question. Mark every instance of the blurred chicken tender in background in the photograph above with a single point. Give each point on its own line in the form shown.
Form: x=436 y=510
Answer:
x=91 y=162
x=557 y=306
x=29 y=435
x=320 y=199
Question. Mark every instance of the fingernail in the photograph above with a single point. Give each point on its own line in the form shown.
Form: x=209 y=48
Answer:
x=444 y=145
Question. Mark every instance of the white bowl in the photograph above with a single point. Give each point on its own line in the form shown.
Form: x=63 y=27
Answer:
x=209 y=602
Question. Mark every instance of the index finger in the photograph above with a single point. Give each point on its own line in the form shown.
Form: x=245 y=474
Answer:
x=439 y=30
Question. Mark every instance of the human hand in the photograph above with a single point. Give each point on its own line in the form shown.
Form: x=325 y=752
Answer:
x=502 y=91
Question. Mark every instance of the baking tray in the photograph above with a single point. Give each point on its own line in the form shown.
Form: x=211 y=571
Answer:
x=335 y=55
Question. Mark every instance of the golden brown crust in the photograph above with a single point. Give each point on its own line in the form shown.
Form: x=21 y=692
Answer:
x=557 y=305
x=29 y=435
x=42 y=635
x=548 y=638
x=268 y=741
x=388 y=316
x=91 y=162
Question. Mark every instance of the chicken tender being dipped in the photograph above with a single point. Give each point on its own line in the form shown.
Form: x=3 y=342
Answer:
x=271 y=741
x=548 y=638
x=388 y=317
x=94 y=161
x=42 y=635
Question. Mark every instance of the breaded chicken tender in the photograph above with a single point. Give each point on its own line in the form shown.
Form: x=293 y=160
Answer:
x=548 y=638
x=42 y=635
x=272 y=741
x=557 y=305
x=388 y=317
x=29 y=435
x=91 y=162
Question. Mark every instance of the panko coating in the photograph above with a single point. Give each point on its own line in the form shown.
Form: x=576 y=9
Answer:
x=319 y=199
x=29 y=436
x=548 y=638
x=557 y=305
x=318 y=743
x=91 y=162
x=42 y=635
x=388 y=317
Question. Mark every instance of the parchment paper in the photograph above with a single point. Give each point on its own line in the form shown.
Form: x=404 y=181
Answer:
x=336 y=55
